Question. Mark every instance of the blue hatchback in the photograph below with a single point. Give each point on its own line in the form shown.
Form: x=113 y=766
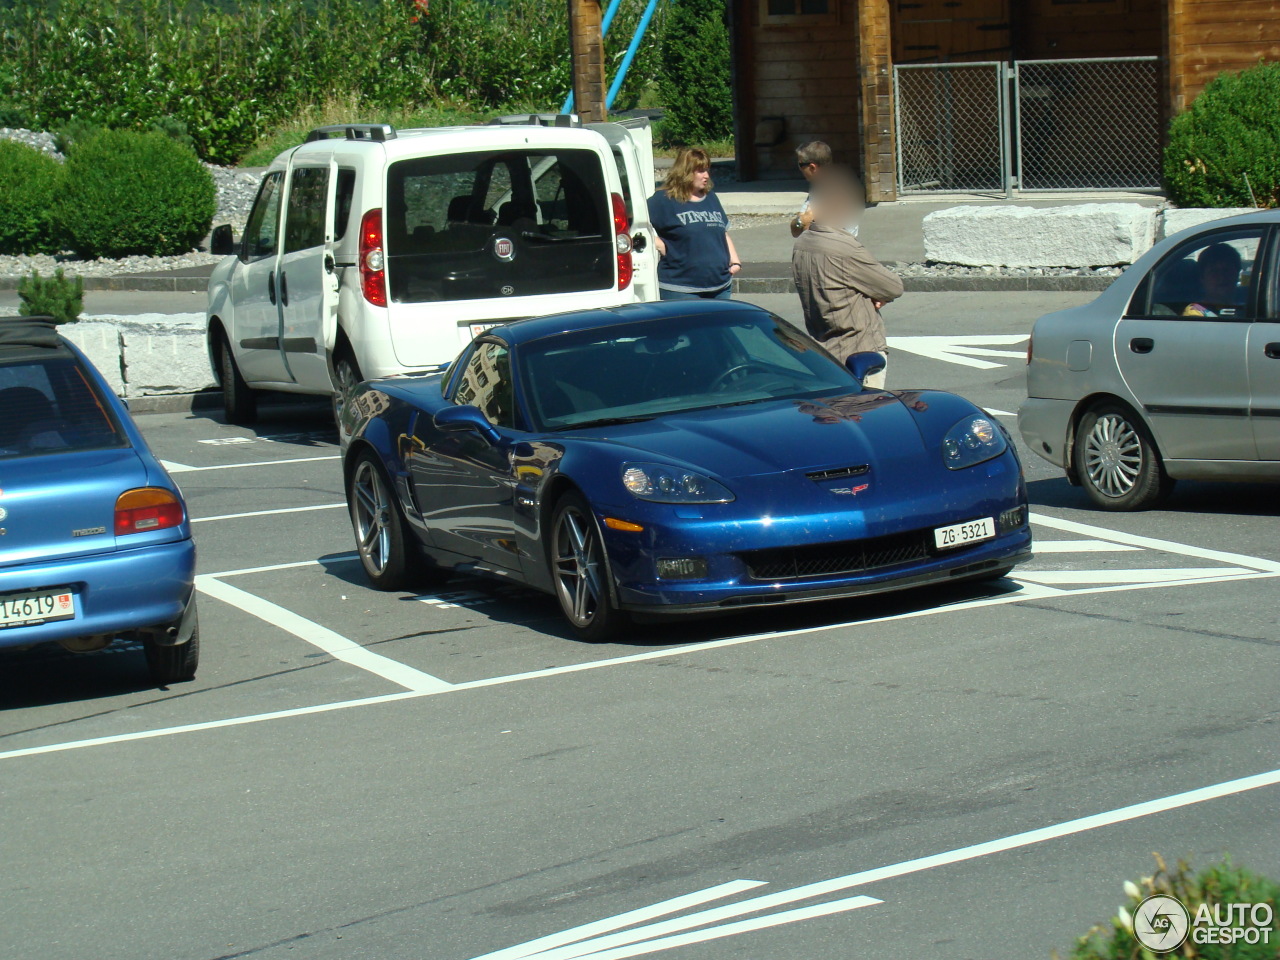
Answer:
x=95 y=543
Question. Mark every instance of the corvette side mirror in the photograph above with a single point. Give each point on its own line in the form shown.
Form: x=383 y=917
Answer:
x=464 y=417
x=862 y=365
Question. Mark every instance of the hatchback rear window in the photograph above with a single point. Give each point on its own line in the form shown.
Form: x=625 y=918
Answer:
x=498 y=224
x=49 y=406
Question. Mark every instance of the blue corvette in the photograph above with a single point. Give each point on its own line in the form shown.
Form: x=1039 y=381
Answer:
x=671 y=458
x=95 y=543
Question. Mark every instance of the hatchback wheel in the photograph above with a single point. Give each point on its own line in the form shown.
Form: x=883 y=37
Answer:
x=1117 y=461
x=581 y=572
x=171 y=664
x=379 y=526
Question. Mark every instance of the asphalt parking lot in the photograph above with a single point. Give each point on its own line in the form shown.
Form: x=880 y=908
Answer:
x=967 y=772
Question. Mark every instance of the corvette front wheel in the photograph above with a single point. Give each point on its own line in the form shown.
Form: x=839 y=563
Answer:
x=580 y=571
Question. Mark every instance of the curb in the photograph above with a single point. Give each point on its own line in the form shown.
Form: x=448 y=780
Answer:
x=131 y=284
x=212 y=400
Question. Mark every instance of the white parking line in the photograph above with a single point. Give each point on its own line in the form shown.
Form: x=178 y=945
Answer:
x=334 y=644
x=173 y=467
x=267 y=513
x=1078 y=546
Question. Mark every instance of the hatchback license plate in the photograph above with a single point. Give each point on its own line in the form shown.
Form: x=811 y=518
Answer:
x=40 y=606
x=958 y=534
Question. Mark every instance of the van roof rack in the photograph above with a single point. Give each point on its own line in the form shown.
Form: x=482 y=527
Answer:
x=378 y=132
x=537 y=120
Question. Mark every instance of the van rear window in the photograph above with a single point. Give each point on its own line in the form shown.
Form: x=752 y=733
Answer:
x=498 y=224
x=49 y=406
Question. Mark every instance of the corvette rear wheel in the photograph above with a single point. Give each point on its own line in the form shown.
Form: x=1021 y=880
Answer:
x=382 y=539
x=581 y=572
x=1118 y=463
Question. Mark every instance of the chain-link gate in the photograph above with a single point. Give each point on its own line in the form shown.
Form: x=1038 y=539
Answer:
x=1039 y=125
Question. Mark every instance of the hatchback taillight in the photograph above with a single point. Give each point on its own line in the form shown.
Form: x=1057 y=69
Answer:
x=373 y=260
x=622 y=241
x=147 y=508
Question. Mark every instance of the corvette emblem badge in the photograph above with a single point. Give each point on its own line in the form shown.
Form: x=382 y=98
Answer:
x=851 y=491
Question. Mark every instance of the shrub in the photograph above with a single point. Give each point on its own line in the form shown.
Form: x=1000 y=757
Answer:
x=28 y=184
x=1225 y=150
x=135 y=193
x=1219 y=884
x=72 y=132
x=695 y=78
x=54 y=296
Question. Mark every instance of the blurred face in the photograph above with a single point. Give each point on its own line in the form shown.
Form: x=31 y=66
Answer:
x=701 y=178
x=810 y=170
x=1218 y=277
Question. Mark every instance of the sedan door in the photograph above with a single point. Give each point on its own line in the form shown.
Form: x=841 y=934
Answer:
x=1182 y=347
x=463 y=482
x=1264 y=365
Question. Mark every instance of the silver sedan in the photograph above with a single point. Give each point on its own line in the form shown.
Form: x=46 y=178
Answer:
x=1172 y=373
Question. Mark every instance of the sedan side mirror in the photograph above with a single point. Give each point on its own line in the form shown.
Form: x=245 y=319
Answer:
x=221 y=242
x=862 y=365
x=463 y=417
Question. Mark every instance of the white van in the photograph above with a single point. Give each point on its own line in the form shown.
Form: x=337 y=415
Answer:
x=371 y=252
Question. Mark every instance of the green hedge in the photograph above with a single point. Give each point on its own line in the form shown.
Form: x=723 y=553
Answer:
x=1225 y=150
x=233 y=72
x=29 y=181
x=694 y=83
x=134 y=193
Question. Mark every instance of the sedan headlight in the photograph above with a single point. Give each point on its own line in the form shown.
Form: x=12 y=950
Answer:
x=665 y=484
x=973 y=440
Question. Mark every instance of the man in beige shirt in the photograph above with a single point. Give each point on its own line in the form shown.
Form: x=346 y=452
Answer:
x=841 y=286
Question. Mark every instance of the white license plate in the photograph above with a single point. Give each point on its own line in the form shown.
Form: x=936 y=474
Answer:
x=958 y=534
x=479 y=328
x=41 y=606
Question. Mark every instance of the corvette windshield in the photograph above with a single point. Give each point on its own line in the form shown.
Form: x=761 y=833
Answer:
x=639 y=371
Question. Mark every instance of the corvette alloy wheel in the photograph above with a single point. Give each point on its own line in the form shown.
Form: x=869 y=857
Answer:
x=378 y=525
x=580 y=571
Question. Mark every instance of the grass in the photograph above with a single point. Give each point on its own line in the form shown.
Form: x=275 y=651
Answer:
x=348 y=110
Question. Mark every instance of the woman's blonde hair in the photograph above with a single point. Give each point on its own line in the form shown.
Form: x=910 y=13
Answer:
x=678 y=184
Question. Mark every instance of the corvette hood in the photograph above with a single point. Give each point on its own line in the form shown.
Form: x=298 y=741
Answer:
x=875 y=430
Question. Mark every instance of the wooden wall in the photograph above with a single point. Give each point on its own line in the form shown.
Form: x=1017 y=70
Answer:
x=1065 y=29
x=1206 y=37
x=803 y=76
x=950 y=31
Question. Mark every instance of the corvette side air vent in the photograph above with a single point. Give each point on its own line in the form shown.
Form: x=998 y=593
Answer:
x=839 y=473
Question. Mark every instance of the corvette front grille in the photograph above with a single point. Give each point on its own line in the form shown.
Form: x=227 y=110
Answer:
x=834 y=559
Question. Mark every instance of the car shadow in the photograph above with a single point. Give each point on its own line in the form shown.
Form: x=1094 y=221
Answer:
x=46 y=674
x=305 y=423
x=1189 y=496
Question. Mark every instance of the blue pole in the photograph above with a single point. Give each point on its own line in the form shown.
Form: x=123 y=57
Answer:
x=604 y=32
x=631 y=53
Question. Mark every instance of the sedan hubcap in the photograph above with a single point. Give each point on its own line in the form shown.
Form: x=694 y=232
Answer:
x=1113 y=455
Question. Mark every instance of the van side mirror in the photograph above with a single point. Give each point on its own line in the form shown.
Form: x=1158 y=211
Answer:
x=221 y=241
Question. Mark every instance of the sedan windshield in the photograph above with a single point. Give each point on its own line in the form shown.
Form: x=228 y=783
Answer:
x=639 y=371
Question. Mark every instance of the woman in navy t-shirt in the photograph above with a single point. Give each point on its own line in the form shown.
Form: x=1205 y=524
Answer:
x=698 y=258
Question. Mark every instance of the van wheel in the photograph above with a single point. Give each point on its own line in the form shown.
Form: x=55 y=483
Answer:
x=346 y=377
x=239 y=403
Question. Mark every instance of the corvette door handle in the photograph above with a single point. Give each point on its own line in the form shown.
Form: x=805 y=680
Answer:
x=271 y=286
x=284 y=290
x=1142 y=344
x=1273 y=351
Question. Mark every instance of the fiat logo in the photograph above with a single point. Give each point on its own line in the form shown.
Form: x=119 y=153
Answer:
x=504 y=249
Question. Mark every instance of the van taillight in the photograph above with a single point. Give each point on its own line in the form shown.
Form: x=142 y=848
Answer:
x=147 y=508
x=622 y=241
x=373 y=261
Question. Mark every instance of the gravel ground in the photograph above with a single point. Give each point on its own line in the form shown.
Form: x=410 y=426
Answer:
x=237 y=189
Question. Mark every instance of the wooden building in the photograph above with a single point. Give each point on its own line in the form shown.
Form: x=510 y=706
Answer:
x=824 y=69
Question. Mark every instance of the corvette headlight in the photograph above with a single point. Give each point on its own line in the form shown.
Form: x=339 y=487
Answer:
x=973 y=440
x=664 y=484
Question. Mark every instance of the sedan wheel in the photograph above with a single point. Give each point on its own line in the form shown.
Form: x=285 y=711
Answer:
x=381 y=537
x=581 y=572
x=1117 y=461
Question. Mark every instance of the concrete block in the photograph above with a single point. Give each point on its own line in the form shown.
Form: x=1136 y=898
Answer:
x=101 y=344
x=171 y=359
x=1174 y=220
x=1079 y=235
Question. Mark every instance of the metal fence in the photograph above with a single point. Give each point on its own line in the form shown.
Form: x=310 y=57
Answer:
x=1037 y=125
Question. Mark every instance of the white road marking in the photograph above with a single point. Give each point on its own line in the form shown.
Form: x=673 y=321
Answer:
x=975 y=851
x=1153 y=575
x=293 y=565
x=1151 y=543
x=206 y=725
x=999 y=413
x=961 y=348
x=267 y=513
x=183 y=468
x=1078 y=546
x=608 y=925
x=334 y=644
